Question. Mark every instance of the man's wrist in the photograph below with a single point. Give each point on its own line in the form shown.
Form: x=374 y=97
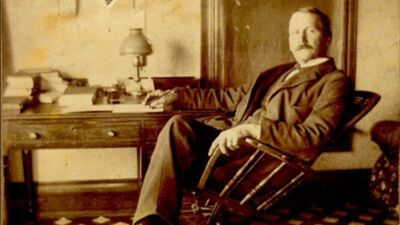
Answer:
x=253 y=130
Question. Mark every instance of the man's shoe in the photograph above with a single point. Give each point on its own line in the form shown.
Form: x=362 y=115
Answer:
x=151 y=220
x=145 y=221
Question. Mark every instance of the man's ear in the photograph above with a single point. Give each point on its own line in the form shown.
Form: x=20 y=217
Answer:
x=327 y=43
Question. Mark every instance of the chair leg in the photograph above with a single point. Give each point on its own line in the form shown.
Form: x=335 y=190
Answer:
x=262 y=183
x=281 y=192
x=214 y=214
x=240 y=174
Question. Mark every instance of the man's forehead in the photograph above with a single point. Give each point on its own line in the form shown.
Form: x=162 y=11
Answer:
x=304 y=18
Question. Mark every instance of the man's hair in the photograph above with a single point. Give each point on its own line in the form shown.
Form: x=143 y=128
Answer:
x=325 y=21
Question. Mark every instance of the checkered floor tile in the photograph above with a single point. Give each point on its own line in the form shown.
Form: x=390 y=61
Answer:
x=100 y=220
x=349 y=213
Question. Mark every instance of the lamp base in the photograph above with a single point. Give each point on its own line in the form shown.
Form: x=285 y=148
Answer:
x=137 y=93
x=134 y=87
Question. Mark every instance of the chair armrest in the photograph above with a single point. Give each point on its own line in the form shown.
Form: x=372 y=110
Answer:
x=268 y=149
x=209 y=167
x=278 y=154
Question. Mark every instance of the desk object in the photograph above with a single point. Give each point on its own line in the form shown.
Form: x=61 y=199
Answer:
x=90 y=99
x=78 y=96
x=45 y=127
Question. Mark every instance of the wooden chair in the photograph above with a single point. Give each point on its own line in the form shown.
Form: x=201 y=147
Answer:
x=363 y=102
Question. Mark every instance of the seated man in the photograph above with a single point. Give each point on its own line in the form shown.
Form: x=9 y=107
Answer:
x=295 y=107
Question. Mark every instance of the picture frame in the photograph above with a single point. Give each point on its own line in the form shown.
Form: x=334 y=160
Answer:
x=109 y=3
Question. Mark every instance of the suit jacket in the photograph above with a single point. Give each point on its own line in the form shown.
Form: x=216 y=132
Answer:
x=301 y=113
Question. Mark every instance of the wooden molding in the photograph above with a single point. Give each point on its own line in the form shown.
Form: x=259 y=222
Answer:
x=213 y=44
x=350 y=26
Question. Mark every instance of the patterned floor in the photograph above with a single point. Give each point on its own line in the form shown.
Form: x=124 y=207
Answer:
x=304 y=213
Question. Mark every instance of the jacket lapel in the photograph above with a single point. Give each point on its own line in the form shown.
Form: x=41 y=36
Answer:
x=259 y=88
x=307 y=74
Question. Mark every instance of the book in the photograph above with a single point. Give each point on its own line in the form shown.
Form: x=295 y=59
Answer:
x=48 y=97
x=78 y=96
x=23 y=81
x=56 y=86
x=15 y=104
x=17 y=92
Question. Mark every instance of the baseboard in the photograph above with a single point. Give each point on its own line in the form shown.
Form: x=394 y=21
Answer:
x=79 y=214
x=78 y=198
x=87 y=186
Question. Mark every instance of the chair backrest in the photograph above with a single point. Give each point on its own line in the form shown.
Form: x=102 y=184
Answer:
x=362 y=103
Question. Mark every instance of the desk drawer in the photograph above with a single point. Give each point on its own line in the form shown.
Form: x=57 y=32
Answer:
x=151 y=129
x=73 y=131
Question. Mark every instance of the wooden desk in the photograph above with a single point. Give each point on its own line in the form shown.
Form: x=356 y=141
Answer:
x=46 y=127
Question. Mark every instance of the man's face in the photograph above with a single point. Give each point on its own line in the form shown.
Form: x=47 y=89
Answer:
x=306 y=37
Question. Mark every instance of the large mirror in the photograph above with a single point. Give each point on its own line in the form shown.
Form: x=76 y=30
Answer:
x=243 y=38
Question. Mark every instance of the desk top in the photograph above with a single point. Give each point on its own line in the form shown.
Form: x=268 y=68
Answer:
x=52 y=111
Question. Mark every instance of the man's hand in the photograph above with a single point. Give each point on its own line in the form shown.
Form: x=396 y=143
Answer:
x=229 y=139
x=159 y=98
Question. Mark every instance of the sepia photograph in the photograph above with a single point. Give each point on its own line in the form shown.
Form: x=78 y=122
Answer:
x=200 y=112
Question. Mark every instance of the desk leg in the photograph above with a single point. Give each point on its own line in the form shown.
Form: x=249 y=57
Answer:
x=28 y=176
x=140 y=174
x=5 y=204
x=144 y=155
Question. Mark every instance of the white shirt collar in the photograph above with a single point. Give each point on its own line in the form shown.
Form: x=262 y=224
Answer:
x=314 y=62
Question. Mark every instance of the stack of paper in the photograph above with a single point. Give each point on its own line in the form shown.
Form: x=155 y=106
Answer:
x=22 y=85
x=52 y=86
x=52 y=81
x=20 y=90
x=78 y=96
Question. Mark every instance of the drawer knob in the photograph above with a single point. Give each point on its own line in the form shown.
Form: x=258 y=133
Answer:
x=33 y=135
x=111 y=133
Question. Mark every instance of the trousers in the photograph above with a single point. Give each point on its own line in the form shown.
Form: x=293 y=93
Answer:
x=178 y=160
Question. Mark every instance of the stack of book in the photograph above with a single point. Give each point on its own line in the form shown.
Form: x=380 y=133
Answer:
x=21 y=89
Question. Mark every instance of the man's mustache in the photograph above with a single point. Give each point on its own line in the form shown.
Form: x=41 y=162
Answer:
x=304 y=46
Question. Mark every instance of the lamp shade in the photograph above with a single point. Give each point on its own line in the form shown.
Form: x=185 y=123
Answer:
x=136 y=43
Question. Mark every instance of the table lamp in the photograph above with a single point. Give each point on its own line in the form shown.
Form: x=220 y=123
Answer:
x=137 y=45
